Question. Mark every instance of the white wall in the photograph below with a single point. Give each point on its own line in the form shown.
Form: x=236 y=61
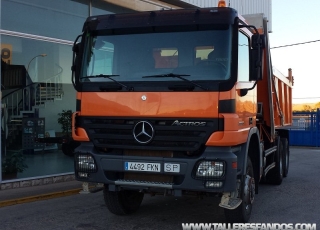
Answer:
x=243 y=7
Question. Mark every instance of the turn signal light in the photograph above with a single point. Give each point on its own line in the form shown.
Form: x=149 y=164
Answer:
x=213 y=184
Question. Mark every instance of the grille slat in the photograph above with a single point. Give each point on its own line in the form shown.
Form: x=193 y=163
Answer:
x=118 y=133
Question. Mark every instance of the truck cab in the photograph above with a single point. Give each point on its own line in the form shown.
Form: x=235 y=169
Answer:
x=167 y=104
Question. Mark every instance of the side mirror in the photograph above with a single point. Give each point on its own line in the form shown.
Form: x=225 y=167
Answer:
x=257 y=46
x=75 y=49
x=76 y=61
x=258 y=40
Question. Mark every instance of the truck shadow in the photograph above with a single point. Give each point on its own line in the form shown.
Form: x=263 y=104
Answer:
x=171 y=212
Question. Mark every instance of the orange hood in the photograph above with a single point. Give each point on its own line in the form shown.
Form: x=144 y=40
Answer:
x=150 y=104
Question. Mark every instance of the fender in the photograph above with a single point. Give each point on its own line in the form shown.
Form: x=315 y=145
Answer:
x=242 y=157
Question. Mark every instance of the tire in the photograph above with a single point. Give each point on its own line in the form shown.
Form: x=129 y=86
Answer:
x=122 y=202
x=69 y=147
x=66 y=149
x=275 y=175
x=285 y=156
x=247 y=192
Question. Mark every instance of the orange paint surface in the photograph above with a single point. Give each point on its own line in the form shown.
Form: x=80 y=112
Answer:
x=228 y=138
x=156 y=104
x=78 y=134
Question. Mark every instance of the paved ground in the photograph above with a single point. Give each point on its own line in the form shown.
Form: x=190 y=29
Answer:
x=295 y=201
x=17 y=193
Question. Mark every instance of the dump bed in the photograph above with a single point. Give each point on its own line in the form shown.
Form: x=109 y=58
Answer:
x=274 y=91
x=275 y=101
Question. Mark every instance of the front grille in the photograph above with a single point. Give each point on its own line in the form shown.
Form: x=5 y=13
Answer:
x=118 y=133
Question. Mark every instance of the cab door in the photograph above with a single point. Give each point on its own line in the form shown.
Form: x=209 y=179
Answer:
x=245 y=102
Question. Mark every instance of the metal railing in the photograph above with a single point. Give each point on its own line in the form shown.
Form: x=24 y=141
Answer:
x=35 y=94
x=50 y=90
x=19 y=100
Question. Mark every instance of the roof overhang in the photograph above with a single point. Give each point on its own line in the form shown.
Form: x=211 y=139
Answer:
x=150 y=5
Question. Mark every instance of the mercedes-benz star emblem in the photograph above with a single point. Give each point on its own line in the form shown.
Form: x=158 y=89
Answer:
x=143 y=132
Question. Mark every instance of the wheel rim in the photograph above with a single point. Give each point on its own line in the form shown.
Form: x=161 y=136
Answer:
x=248 y=194
x=249 y=190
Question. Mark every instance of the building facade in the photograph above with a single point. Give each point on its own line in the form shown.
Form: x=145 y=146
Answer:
x=37 y=92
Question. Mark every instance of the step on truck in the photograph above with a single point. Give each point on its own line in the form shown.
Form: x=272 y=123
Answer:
x=179 y=102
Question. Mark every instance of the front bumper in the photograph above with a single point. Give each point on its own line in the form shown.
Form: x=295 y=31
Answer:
x=110 y=169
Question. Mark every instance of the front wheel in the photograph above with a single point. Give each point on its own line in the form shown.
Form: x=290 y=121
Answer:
x=122 y=202
x=247 y=192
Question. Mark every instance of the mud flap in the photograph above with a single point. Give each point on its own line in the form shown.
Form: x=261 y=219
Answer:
x=231 y=200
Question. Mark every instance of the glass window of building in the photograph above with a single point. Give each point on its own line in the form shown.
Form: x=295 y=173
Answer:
x=37 y=94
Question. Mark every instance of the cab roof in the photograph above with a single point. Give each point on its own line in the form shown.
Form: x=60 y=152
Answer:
x=176 y=17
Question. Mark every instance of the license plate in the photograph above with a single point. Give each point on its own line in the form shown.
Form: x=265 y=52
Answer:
x=142 y=166
x=170 y=167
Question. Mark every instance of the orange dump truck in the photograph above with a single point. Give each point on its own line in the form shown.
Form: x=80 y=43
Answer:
x=179 y=102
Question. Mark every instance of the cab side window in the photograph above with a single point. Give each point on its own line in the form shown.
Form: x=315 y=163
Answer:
x=243 y=58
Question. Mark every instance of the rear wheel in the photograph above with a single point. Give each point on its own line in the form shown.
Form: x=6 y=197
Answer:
x=285 y=156
x=122 y=202
x=247 y=192
x=275 y=175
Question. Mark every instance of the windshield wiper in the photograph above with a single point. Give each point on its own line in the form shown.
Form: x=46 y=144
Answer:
x=180 y=76
x=109 y=77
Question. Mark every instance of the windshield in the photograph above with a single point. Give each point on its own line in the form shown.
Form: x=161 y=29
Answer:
x=198 y=55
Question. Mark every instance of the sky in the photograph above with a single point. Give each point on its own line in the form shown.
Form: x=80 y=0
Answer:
x=294 y=22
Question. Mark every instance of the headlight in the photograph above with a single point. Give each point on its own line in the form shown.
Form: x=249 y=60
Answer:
x=210 y=169
x=85 y=163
